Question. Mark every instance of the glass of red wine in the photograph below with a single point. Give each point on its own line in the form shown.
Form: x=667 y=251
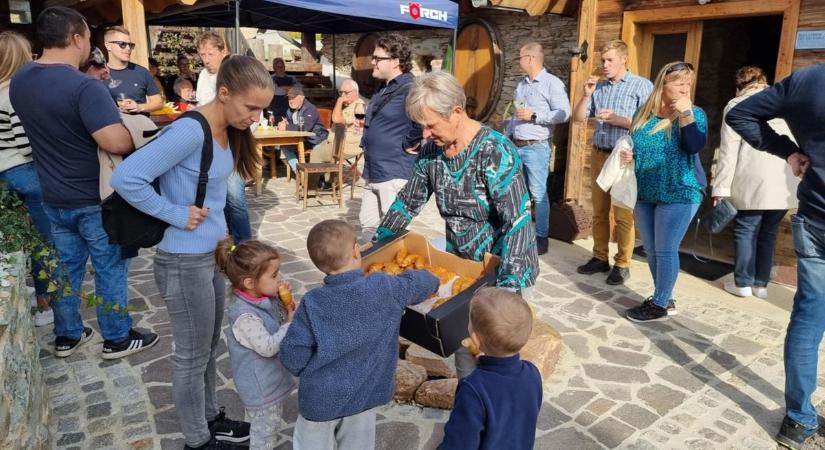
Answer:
x=360 y=114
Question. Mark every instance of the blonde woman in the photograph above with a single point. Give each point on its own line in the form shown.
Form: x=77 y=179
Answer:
x=760 y=186
x=668 y=131
x=16 y=166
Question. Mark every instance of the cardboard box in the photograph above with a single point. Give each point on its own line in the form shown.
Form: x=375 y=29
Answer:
x=441 y=329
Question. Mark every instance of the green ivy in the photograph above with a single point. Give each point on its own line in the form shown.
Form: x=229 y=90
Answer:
x=18 y=234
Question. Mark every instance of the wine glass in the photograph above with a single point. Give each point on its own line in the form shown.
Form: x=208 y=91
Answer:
x=121 y=99
x=360 y=114
x=300 y=122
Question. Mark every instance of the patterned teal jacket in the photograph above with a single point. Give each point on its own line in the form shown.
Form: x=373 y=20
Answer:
x=482 y=196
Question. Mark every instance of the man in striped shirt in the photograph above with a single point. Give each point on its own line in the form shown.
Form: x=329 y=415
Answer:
x=612 y=101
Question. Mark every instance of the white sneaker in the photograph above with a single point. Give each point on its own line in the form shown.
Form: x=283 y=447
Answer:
x=32 y=296
x=42 y=318
x=760 y=292
x=732 y=288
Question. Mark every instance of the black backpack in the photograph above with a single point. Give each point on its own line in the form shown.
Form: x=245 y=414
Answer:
x=128 y=226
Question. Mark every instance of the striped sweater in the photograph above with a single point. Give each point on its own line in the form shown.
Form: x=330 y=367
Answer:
x=14 y=146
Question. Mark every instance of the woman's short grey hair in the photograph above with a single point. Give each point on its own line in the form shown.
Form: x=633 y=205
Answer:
x=439 y=92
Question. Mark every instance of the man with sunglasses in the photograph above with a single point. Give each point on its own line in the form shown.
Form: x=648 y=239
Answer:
x=612 y=101
x=540 y=104
x=391 y=140
x=131 y=85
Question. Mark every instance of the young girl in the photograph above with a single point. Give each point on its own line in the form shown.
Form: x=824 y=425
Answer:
x=258 y=321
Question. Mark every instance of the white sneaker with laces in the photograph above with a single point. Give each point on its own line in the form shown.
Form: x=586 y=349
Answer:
x=760 y=292
x=42 y=318
x=732 y=288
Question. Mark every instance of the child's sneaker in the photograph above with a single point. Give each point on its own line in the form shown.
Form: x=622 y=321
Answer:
x=228 y=430
x=64 y=346
x=793 y=435
x=136 y=342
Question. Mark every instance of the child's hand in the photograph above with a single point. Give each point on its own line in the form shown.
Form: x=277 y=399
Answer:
x=290 y=313
x=285 y=294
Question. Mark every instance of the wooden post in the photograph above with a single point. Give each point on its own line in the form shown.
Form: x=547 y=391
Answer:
x=308 y=52
x=134 y=19
x=579 y=71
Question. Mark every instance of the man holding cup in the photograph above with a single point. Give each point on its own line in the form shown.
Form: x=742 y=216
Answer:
x=541 y=103
x=131 y=85
x=612 y=101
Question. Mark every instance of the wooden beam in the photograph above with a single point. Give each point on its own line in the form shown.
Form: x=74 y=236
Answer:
x=134 y=19
x=787 y=41
x=725 y=10
x=577 y=150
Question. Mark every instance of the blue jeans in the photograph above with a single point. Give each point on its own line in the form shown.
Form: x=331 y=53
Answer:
x=662 y=227
x=78 y=233
x=23 y=180
x=807 y=323
x=236 y=211
x=755 y=232
x=536 y=161
x=290 y=154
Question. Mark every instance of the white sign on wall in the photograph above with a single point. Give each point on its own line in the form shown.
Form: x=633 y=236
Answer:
x=807 y=40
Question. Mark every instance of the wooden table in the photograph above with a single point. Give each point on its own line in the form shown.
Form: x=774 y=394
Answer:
x=269 y=137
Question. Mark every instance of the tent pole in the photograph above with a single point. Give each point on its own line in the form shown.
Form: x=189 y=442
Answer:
x=455 y=40
x=334 y=81
x=237 y=27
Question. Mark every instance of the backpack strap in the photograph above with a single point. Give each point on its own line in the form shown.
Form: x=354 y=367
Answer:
x=206 y=155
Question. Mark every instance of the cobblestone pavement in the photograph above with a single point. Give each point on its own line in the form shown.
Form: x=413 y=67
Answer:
x=711 y=377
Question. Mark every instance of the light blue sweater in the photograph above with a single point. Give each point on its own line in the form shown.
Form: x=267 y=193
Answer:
x=174 y=157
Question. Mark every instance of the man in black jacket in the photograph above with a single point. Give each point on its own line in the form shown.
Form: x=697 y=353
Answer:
x=301 y=116
x=795 y=100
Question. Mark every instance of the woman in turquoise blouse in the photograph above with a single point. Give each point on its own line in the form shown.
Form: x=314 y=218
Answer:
x=668 y=132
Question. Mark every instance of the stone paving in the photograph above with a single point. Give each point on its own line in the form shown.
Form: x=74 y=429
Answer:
x=710 y=377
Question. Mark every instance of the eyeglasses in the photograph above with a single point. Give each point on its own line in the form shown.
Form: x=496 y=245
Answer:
x=123 y=44
x=679 y=66
x=345 y=92
x=381 y=58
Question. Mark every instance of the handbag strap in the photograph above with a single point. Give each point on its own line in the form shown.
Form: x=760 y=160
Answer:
x=206 y=155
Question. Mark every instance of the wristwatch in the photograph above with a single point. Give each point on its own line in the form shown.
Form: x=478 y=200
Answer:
x=533 y=118
x=687 y=113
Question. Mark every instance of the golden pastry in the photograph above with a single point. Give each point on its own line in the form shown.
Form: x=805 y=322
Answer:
x=286 y=298
x=470 y=345
x=399 y=257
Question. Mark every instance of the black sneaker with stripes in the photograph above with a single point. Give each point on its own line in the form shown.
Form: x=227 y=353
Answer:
x=64 y=346
x=136 y=342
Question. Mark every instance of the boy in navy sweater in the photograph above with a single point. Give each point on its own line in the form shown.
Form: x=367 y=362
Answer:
x=343 y=342
x=498 y=404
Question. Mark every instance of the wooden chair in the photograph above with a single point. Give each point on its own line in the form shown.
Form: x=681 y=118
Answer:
x=335 y=168
x=353 y=173
x=325 y=114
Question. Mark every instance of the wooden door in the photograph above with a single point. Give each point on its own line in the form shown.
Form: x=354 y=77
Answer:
x=362 y=65
x=662 y=43
x=478 y=66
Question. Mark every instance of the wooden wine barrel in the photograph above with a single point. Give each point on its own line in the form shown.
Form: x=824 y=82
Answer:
x=478 y=66
x=362 y=65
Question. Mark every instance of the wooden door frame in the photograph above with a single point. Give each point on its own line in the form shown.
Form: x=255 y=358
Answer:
x=633 y=21
x=693 y=44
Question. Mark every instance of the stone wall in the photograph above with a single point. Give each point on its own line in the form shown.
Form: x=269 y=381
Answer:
x=24 y=402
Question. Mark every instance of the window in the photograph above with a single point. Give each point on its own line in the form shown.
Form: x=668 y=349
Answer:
x=20 y=12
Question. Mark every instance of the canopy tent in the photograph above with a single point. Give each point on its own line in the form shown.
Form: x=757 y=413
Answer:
x=316 y=16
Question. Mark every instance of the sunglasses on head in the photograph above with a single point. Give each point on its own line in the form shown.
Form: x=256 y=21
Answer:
x=679 y=66
x=123 y=44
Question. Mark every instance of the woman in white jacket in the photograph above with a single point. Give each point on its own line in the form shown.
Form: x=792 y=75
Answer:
x=761 y=187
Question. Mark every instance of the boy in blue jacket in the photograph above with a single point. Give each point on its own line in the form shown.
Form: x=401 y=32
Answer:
x=498 y=404
x=343 y=342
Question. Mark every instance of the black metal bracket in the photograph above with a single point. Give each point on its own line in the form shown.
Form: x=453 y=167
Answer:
x=581 y=52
